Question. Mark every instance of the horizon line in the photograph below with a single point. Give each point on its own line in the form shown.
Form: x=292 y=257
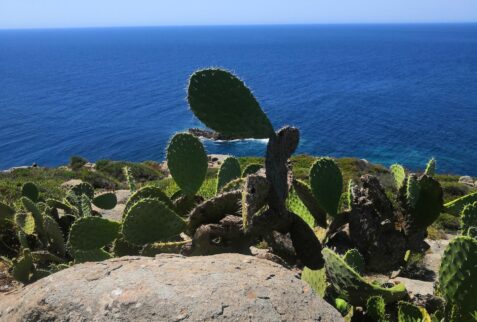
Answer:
x=245 y=25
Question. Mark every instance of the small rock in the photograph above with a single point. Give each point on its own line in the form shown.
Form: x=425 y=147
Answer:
x=71 y=183
x=467 y=180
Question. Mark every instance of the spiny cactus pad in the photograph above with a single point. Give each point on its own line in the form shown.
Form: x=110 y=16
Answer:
x=122 y=247
x=429 y=204
x=86 y=207
x=468 y=217
x=376 y=309
x=399 y=174
x=458 y=275
x=151 y=192
x=316 y=279
x=26 y=222
x=187 y=162
x=30 y=191
x=106 y=200
x=310 y=202
x=409 y=313
x=354 y=259
x=37 y=216
x=23 y=267
x=254 y=197
x=413 y=190
x=306 y=244
x=159 y=248
x=229 y=170
x=83 y=189
x=352 y=287
x=295 y=205
x=93 y=255
x=55 y=236
x=251 y=169
x=90 y=233
x=456 y=206
x=326 y=184
x=149 y=221
x=223 y=103
x=431 y=168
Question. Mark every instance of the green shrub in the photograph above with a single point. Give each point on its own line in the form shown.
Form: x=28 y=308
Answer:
x=77 y=162
x=140 y=171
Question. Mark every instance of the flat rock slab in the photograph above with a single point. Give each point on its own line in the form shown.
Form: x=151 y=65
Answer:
x=225 y=287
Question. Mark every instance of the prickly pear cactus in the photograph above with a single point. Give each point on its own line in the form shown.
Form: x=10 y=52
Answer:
x=251 y=169
x=23 y=267
x=55 y=236
x=412 y=191
x=458 y=275
x=428 y=205
x=316 y=279
x=229 y=171
x=82 y=189
x=310 y=202
x=7 y=213
x=376 y=309
x=352 y=287
x=129 y=178
x=149 y=221
x=160 y=248
x=37 y=216
x=90 y=233
x=93 y=255
x=187 y=162
x=26 y=222
x=30 y=191
x=354 y=259
x=306 y=244
x=86 y=207
x=326 y=184
x=105 y=201
x=254 y=197
x=223 y=103
x=431 y=168
x=399 y=175
x=468 y=217
x=151 y=192
x=456 y=206
x=409 y=313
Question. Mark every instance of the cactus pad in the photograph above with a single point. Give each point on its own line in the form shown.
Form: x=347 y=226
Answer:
x=409 y=313
x=456 y=206
x=187 y=162
x=83 y=189
x=306 y=244
x=354 y=259
x=149 y=221
x=106 y=201
x=468 y=217
x=160 y=248
x=6 y=212
x=316 y=279
x=90 y=233
x=376 y=309
x=431 y=168
x=352 y=287
x=457 y=274
x=23 y=267
x=399 y=175
x=326 y=184
x=93 y=255
x=55 y=236
x=413 y=191
x=30 y=191
x=254 y=197
x=150 y=192
x=429 y=203
x=310 y=202
x=251 y=169
x=229 y=170
x=122 y=247
x=223 y=103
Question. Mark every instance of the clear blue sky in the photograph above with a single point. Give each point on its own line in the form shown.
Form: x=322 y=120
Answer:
x=102 y=13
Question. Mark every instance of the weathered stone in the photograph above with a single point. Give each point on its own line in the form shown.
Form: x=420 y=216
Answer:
x=467 y=180
x=225 y=287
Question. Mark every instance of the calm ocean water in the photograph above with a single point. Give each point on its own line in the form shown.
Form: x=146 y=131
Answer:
x=386 y=93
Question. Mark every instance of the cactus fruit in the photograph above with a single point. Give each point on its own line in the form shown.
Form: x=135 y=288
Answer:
x=399 y=175
x=354 y=259
x=105 y=201
x=55 y=236
x=26 y=222
x=149 y=221
x=90 y=233
x=30 y=191
x=151 y=192
x=187 y=162
x=376 y=309
x=316 y=279
x=412 y=191
x=307 y=246
x=409 y=313
x=168 y=248
x=352 y=287
x=6 y=213
x=431 y=168
x=254 y=197
x=310 y=202
x=456 y=206
x=251 y=169
x=93 y=255
x=223 y=103
x=229 y=171
x=468 y=217
x=129 y=179
x=23 y=267
x=326 y=184
x=213 y=210
x=457 y=274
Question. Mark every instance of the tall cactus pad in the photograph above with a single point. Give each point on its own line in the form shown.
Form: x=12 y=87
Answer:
x=316 y=279
x=223 y=103
x=456 y=206
x=30 y=191
x=229 y=170
x=409 y=313
x=37 y=216
x=254 y=197
x=150 y=192
x=429 y=204
x=90 y=233
x=352 y=287
x=213 y=210
x=306 y=244
x=55 y=236
x=251 y=169
x=326 y=184
x=469 y=217
x=376 y=309
x=187 y=162
x=354 y=259
x=431 y=168
x=413 y=190
x=106 y=201
x=129 y=178
x=149 y=221
x=457 y=274
x=399 y=175
x=310 y=202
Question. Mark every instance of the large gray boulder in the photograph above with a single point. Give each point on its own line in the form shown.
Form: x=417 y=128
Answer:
x=225 y=287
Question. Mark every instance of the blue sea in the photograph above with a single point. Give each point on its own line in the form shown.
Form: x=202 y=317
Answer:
x=385 y=93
